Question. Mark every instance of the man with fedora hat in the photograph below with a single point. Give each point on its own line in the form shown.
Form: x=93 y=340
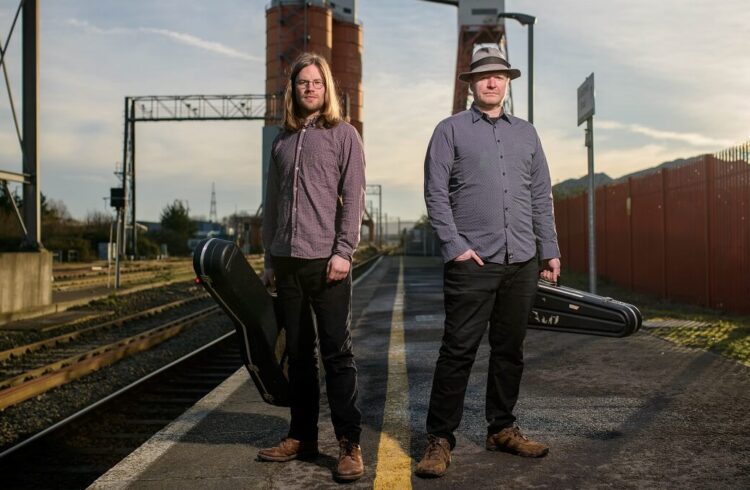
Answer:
x=488 y=194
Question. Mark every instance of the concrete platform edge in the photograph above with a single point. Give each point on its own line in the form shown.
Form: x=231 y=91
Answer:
x=129 y=469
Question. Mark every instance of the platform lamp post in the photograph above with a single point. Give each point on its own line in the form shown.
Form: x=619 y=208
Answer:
x=529 y=21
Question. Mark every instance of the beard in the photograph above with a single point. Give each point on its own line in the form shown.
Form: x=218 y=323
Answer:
x=309 y=106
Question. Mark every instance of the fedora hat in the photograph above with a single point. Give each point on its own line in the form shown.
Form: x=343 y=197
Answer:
x=489 y=59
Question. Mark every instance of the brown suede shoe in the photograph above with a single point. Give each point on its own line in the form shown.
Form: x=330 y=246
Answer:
x=350 y=465
x=436 y=459
x=511 y=440
x=289 y=449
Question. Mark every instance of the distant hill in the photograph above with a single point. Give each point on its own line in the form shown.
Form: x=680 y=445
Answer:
x=572 y=187
x=680 y=162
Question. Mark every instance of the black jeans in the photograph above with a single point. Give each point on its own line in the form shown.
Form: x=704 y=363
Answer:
x=503 y=295
x=301 y=284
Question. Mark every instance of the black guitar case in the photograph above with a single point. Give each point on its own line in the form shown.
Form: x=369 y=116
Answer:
x=223 y=271
x=565 y=309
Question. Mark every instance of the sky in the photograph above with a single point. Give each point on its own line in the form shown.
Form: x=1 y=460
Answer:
x=672 y=81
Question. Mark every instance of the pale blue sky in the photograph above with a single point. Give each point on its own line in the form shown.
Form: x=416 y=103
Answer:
x=672 y=79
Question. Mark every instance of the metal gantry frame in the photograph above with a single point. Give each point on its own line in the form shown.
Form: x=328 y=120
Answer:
x=30 y=217
x=377 y=189
x=154 y=108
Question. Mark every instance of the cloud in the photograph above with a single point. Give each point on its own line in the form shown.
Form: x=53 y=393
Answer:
x=178 y=37
x=190 y=40
x=694 y=139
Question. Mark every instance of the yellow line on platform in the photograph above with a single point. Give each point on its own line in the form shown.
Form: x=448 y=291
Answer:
x=394 y=464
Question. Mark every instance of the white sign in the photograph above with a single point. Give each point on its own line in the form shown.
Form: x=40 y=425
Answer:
x=586 y=99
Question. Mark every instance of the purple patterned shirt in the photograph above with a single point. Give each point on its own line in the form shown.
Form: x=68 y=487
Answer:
x=315 y=194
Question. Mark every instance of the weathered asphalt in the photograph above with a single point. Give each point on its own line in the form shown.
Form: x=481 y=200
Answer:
x=624 y=413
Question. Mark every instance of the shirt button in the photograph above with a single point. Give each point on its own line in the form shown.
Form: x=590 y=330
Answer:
x=501 y=156
x=498 y=141
x=506 y=191
x=503 y=173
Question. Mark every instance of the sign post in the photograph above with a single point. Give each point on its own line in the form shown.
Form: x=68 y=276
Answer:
x=586 y=113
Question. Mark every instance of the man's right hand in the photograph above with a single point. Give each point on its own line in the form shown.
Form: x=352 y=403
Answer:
x=269 y=279
x=469 y=254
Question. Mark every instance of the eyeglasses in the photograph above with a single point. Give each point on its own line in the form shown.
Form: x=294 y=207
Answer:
x=306 y=83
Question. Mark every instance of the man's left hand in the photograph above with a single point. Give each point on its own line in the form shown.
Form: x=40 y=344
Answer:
x=338 y=268
x=550 y=270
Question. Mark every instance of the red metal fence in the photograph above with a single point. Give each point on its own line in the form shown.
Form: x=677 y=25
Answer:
x=681 y=233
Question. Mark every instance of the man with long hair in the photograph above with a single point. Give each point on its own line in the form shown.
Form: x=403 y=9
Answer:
x=311 y=221
x=488 y=194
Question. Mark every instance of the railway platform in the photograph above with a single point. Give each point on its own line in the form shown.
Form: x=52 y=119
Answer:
x=637 y=412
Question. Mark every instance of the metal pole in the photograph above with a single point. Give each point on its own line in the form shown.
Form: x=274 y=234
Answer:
x=117 y=251
x=380 y=216
x=134 y=233
x=592 y=220
x=386 y=228
x=531 y=73
x=32 y=204
x=121 y=212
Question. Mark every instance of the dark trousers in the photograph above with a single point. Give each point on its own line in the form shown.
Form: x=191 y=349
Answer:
x=503 y=295
x=301 y=285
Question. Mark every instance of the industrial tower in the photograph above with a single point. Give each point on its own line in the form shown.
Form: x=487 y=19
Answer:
x=478 y=24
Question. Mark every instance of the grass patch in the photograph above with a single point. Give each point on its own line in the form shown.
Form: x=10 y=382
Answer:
x=727 y=335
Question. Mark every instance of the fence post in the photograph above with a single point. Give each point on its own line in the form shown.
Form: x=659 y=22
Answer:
x=664 y=201
x=629 y=201
x=709 y=175
x=602 y=248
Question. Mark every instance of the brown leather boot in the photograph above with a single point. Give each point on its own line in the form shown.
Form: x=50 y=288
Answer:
x=436 y=459
x=289 y=449
x=350 y=465
x=511 y=440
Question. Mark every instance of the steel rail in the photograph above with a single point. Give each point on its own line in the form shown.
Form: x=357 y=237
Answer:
x=17 y=352
x=111 y=396
x=82 y=283
x=89 y=272
x=39 y=380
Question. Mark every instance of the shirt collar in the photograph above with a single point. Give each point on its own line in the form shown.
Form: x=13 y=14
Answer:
x=312 y=122
x=476 y=115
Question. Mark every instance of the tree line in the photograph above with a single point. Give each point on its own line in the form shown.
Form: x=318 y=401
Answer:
x=60 y=231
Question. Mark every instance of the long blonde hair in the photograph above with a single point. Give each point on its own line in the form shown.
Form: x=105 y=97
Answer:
x=330 y=113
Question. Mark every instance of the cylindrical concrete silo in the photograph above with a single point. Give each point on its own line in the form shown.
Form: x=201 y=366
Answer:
x=346 y=64
x=293 y=27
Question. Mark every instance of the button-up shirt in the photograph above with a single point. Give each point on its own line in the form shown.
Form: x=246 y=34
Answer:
x=315 y=193
x=487 y=188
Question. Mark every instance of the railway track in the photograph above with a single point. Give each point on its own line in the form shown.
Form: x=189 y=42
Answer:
x=30 y=370
x=77 y=450
x=128 y=277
